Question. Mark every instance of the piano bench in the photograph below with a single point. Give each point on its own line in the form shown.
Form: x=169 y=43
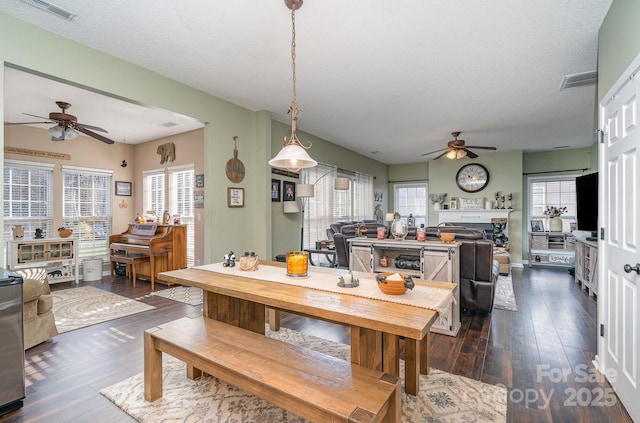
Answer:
x=130 y=260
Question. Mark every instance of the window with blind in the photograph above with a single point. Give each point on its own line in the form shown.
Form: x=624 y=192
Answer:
x=181 y=203
x=412 y=199
x=559 y=191
x=329 y=205
x=176 y=197
x=27 y=197
x=86 y=208
x=154 y=191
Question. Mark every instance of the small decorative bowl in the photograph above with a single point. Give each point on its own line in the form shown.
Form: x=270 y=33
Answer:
x=447 y=237
x=65 y=233
x=392 y=287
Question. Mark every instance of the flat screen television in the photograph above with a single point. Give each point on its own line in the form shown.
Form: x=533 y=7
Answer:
x=587 y=202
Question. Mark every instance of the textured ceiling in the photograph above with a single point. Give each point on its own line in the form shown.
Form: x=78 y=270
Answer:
x=389 y=79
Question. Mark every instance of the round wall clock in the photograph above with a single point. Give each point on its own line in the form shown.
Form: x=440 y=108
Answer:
x=472 y=177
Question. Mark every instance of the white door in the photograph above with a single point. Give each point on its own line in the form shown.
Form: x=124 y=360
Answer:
x=619 y=291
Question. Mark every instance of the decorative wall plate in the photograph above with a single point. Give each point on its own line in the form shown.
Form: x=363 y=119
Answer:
x=235 y=168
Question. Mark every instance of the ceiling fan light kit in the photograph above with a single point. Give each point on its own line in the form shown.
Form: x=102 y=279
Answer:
x=67 y=126
x=456 y=149
x=293 y=155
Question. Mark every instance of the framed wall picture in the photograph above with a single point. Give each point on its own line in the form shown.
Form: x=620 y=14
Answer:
x=537 y=226
x=453 y=205
x=235 y=197
x=289 y=191
x=198 y=199
x=275 y=190
x=200 y=180
x=123 y=188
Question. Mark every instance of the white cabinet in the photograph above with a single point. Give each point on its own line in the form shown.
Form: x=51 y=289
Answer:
x=551 y=248
x=587 y=265
x=58 y=255
x=430 y=260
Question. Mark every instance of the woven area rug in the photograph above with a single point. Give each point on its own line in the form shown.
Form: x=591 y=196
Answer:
x=443 y=397
x=504 y=298
x=76 y=308
x=184 y=294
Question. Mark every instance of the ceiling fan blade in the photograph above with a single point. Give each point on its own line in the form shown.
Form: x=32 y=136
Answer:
x=481 y=148
x=39 y=117
x=471 y=154
x=94 y=135
x=27 y=123
x=93 y=128
x=435 y=151
x=440 y=155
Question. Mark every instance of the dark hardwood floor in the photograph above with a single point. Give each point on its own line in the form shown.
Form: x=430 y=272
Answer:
x=553 y=331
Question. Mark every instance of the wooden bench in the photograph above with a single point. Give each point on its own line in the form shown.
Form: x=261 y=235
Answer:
x=130 y=260
x=311 y=385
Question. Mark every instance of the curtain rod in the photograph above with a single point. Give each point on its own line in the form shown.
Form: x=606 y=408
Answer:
x=409 y=180
x=556 y=171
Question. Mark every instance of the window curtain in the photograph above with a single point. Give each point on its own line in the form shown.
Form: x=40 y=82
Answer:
x=329 y=205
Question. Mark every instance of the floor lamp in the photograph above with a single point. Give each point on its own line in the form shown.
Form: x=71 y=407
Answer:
x=305 y=191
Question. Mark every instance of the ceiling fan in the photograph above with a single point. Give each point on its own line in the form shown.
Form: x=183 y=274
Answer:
x=67 y=126
x=456 y=149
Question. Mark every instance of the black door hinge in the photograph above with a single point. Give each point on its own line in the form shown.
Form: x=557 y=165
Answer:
x=601 y=330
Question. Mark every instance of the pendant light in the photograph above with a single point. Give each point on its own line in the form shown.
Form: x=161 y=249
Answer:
x=293 y=155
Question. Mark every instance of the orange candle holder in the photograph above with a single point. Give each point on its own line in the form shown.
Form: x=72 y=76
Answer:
x=297 y=263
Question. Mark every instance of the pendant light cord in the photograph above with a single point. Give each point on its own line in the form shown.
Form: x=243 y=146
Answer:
x=293 y=109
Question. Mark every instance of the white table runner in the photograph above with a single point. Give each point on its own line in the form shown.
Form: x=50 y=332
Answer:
x=326 y=280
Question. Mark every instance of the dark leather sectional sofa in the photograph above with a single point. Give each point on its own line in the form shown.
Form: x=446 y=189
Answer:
x=478 y=270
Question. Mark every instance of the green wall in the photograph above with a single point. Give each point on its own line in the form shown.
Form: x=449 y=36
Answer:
x=619 y=42
x=505 y=175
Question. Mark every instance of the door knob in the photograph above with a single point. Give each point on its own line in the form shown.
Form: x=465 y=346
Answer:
x=629 y=269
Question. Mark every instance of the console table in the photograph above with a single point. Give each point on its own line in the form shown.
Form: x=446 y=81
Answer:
x=587 y=265
x=551 y=248
x=428 y=260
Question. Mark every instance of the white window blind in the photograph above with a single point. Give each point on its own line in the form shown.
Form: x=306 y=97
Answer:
x=171 y=189
x=412 y=199
x=27 y=197
x=87 y=208
x=558 y=191
x=154 y=192
x=181 y=203
x=329 y=205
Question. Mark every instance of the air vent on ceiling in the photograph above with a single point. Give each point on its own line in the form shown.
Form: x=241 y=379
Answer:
x=51 y=8
x=168 y=124
x=576 y=80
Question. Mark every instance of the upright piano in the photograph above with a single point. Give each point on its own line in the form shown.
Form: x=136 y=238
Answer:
x=165 y=245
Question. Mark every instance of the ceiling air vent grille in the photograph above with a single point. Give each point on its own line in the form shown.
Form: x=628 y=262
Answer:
x=51 y=8
x=576 y=80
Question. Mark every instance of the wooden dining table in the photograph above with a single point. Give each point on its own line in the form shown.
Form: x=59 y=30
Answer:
x=242 y=299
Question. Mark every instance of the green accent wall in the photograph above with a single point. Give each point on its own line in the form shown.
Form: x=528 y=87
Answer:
x=618 y=43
